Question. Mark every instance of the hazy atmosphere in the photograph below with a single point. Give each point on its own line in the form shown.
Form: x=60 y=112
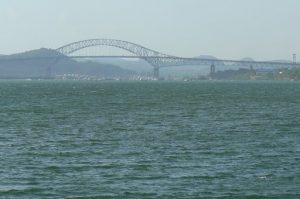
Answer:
x=231 y=29
x=171 y=99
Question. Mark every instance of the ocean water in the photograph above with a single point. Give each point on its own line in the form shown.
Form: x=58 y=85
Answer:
x=93 y=139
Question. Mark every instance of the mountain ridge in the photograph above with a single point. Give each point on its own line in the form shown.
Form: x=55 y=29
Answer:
x=43 y=68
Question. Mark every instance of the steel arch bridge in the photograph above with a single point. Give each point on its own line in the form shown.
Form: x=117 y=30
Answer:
x=159 y=60
x=154 y=58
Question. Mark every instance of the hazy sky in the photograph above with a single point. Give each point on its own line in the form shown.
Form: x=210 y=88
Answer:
x=230 y=29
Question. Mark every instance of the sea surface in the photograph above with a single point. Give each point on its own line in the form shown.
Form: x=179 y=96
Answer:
x=94 y=139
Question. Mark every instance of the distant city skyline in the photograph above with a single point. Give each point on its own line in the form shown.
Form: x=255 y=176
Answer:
x=231 y=29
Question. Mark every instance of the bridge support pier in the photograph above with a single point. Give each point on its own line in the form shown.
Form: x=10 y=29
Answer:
x=156 y=72
x=212 y=71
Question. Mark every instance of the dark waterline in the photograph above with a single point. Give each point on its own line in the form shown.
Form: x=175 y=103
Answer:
x=149 y=139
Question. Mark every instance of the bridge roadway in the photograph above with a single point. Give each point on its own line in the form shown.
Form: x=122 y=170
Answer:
x=180 y=61
x=154 y=58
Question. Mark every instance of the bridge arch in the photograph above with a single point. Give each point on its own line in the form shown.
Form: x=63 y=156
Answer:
x=147 y=54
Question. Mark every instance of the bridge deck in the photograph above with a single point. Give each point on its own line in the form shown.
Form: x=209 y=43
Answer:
x=167 y=61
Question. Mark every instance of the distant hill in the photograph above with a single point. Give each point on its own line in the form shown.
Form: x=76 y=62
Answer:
x=41 y=67
x=207 y=57
x=247 y=59
x=281 y=61
x=137 y=65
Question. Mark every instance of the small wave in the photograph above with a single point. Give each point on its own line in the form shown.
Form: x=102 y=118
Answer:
x=18 y=189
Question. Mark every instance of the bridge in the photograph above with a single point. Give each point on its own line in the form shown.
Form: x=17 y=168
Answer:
x=156 y=59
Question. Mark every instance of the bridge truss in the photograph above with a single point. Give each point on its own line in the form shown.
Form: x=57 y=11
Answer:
x=154 y=58
x=159 y=60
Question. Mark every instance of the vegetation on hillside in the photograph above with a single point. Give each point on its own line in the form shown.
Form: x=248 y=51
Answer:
x=247 y=74
x=43 y=68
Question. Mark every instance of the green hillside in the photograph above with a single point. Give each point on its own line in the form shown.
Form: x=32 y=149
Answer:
x=43 y=68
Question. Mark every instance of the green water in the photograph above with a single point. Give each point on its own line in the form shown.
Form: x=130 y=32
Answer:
x=149 y=139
